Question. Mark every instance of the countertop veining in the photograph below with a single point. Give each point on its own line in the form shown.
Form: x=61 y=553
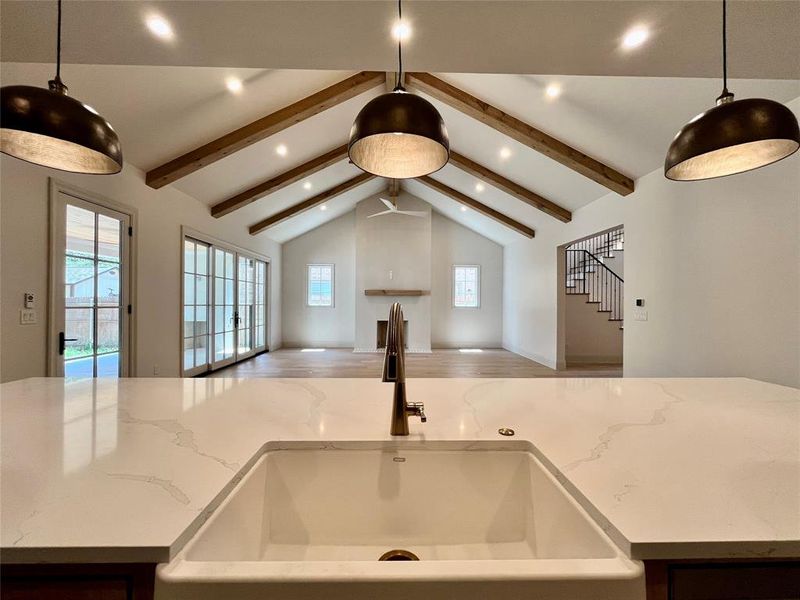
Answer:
x=126 y=470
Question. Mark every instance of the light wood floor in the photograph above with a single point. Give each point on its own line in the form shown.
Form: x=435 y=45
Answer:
x=343 y=362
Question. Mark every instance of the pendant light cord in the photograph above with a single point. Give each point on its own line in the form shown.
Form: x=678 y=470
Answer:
x=398 y=86
x=725 y=95
x=724 y=45
x=56 y=85
x=58 y=45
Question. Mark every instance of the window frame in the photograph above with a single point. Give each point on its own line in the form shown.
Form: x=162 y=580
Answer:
x=333 y=285
x=453 y=285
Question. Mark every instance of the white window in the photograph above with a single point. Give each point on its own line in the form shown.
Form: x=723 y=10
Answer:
x=319 y=285
x=466 y=286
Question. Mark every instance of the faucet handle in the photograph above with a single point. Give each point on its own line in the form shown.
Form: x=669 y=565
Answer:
x=417 y=409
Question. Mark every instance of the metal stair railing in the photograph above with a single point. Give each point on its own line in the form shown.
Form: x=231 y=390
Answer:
x=586 y=274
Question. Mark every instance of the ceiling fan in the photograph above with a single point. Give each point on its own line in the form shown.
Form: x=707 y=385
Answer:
x=393 y=210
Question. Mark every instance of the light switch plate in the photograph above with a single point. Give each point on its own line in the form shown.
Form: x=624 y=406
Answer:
x=27 y=316
x=639 y=314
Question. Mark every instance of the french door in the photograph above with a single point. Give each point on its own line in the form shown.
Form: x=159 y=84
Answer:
x=226 y=320
x=90 y=274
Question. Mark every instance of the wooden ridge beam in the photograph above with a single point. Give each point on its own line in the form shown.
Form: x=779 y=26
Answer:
x=479 y=206
x=521 y=132
x=509 y=187
x=279 y=181
x=310 y=203
x=263 y=128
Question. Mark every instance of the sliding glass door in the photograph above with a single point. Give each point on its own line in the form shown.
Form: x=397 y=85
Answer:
x=234 y=305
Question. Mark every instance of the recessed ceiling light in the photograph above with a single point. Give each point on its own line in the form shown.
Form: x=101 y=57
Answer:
x=553 y=90
x=281 y=150
x=635 y=37
x=463 y=208
x=307 y=185
x=159 y=27
x=505 y=153
x=479 y=187
x=323 y=207
x=234 y=85
x=401 y=31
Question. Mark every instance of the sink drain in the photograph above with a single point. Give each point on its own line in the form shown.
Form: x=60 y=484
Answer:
x=398 y=555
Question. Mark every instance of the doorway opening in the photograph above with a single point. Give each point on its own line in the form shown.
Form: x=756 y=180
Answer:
x=591 y=299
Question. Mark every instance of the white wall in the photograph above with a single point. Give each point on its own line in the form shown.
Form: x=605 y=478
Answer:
x=335 y=242
x=717 y=263
x=465 y=327
x=23 y=265
x=589 y=336
x=320 y=326
x=532 y=280
x=400 y=245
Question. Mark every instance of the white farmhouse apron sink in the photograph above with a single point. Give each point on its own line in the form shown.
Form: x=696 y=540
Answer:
x=484 y=519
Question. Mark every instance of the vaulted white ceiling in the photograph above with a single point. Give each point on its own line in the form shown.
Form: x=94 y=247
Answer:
x=577 y=37
x=162 y=112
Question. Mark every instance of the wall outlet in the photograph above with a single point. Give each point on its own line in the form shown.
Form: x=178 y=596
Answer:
x=28 y=299
x=639 y=314
x=156 y=370
x=27 y=316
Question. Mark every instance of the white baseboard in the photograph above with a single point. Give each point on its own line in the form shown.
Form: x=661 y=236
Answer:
x=296 y=345
x=455 y=346
x=376 y=350
x=594 y=359
x=546 y=361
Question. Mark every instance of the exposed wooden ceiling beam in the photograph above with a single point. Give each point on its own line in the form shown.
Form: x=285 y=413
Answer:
x=263 y=128
x=480 y=207
x=521 y=131
x=508 y=186
x=310 y=203
x=391 y=80
x=279 y=181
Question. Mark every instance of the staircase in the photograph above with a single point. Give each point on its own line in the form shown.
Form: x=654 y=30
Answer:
x=587 y=274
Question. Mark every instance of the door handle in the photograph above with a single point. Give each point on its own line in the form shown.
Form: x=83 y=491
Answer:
x=62 y=342
x=236 y=320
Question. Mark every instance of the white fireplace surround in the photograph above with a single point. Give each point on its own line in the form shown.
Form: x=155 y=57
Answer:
x=393 y=252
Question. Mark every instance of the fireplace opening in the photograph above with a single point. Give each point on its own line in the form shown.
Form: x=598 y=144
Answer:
x=383 y=327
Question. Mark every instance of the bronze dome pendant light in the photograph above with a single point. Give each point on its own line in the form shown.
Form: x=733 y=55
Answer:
x=734 y=136
x=399 y=135
x=47 y=127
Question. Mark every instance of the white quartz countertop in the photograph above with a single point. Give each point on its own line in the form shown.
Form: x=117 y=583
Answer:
x=126 y=470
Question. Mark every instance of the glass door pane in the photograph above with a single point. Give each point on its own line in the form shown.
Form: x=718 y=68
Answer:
x=223 y=306
x=90 y=316
x=196 y=306
x=245 y=306
x=260 y=319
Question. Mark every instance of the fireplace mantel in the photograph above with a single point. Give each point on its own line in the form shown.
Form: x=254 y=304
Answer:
x=396 y=292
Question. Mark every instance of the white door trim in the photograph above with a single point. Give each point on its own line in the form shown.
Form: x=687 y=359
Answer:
x=57 y=187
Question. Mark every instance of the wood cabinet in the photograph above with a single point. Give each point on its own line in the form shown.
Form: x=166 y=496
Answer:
x=723 y=580
x=77 y=582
